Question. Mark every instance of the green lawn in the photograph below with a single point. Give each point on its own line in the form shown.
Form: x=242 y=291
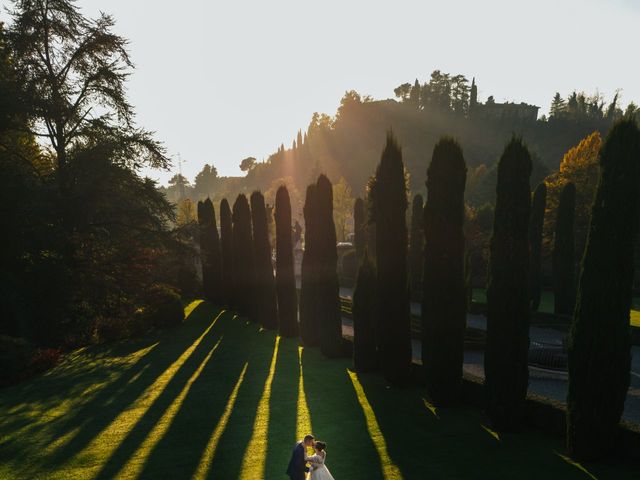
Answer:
x=222 y=399
x=546 y=304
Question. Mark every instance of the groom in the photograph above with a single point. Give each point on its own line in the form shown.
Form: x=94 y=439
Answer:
x=297 y=465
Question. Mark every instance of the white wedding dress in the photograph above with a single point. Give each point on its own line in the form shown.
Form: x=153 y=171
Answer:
x=319 y=469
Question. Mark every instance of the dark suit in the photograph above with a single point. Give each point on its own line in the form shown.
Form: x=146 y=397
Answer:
x=297 y=465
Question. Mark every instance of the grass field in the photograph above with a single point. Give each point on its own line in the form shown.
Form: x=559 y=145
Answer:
x=546 y=304
x=218 y=398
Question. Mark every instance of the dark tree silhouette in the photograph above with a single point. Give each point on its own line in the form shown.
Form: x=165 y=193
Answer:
x=416 y=248
x=328 y=288
x=73 y=64
x=266 y=310
x=226 y=248
x=536 y=223
x=365 y=356
x=210 y=252
x=285 y=277
x=359 y=229
x=564 y=277
x=388 y=194
x=243 y=262
x=599 y=345
x=308 y=291
x=444 y=298
x=506 y=370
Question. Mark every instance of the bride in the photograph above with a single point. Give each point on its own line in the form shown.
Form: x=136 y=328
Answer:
x=318 y=470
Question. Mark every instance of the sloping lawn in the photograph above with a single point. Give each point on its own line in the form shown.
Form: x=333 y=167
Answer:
x=218 y=398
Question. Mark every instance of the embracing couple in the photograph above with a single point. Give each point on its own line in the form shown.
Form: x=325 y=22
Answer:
x=299 y=460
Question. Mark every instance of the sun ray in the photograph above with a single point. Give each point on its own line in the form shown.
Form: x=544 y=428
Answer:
x=390 y=470
x=209 y=452
x=138 y=460
x=303 y=425
x=253 y=466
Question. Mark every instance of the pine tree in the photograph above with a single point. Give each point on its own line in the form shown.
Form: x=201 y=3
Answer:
x=285 y=276
x=599 y=344
x=308 y=290
x=416 y=248
x=359 y=229
x=328 y=287
x=558 y=106
x=414 y=96
x=210 y=252
x=506 y=353
x=265 y=287
x=564 y=278
x=243 y=262
x=365 y=355
x=536 y=224
x=226 y=248
x=388 y=195
x=444 y=296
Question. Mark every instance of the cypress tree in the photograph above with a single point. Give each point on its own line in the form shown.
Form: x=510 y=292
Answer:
x=564 y=278
x=243 y=262
x=416 y=248
x=285 y=277
x=505 y=361
x=444 y=297
x=359 y=229
x=365 y=356
x=599 y=343
x=328 y=287
x=308 y=291
x=226 y=248
x=388 y=194
x=265 y=287
x=210 y=252
x=536 y=223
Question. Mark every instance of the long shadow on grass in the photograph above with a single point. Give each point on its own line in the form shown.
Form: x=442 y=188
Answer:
x=454 y=442
x=234 y=442
x=281 y=434
x=151 y=416
x=97 y=414
x=338 y=419
x=182 y=446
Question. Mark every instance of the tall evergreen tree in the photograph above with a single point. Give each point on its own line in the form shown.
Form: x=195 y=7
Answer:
x=265 y=287
x=416 y=248
x=226 y=248
x=536 y=223
x=309 y=280
x=599 y=345
x=388 y=195
x=365 y=355
x=414 y=96
x=444 y=297
x=359 y=229
x=505 y=361
x=285 y=276
x=243 y=262
x=328 y=287
x=210 y=252
x=564 y=277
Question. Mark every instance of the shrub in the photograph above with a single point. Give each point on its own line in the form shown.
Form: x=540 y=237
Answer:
x=444 y=297
x=285 y=278
x=243 y=261
x=15 y=357
x=505 y=361
x=599 y=344
x=308 y=290
x=388 y=197
x=163 y=307
x=226 y=249
x=365 y=355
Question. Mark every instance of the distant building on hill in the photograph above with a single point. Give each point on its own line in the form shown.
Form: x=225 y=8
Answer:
x=508 y=111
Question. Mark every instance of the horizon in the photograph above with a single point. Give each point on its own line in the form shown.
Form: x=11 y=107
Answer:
x=273 y=92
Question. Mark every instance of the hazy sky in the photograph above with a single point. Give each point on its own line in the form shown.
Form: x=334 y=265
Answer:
x=222 y=80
